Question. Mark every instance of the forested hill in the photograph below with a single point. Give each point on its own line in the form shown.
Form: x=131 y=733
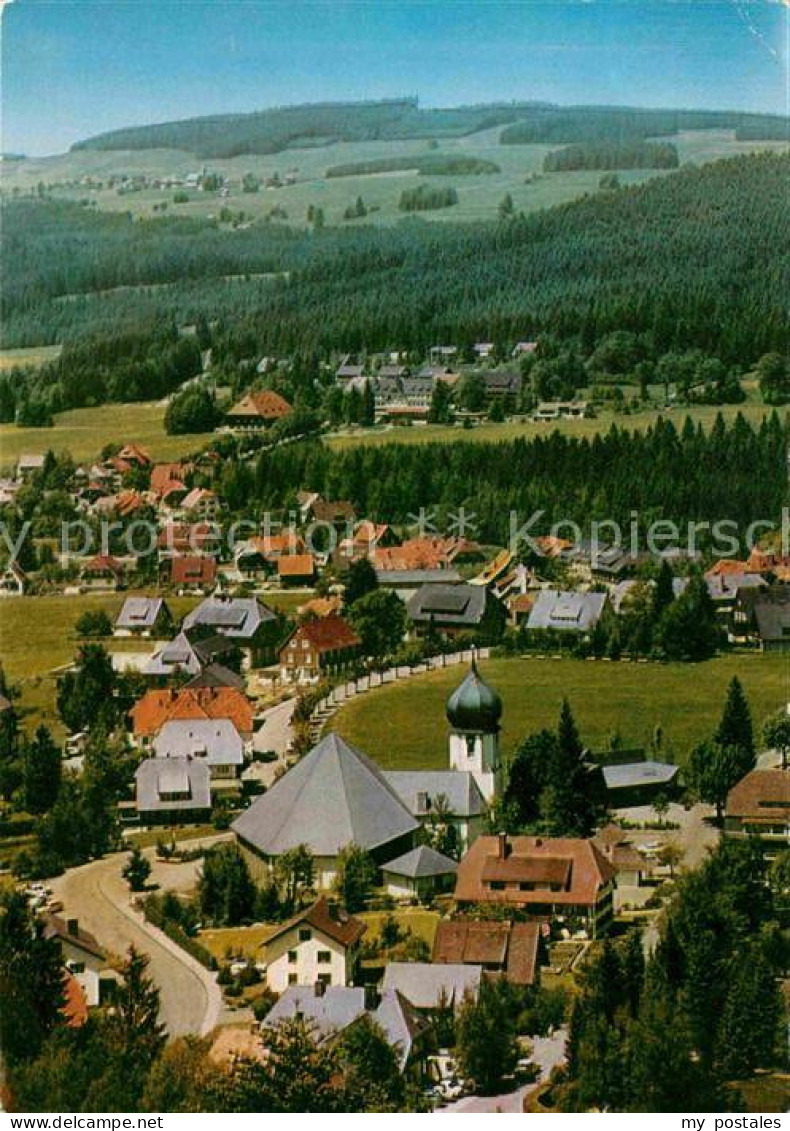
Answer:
x=697 y=258
x=271 y=131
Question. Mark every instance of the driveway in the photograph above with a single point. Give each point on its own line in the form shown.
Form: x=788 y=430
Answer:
x=547 y=1053
x=99 y=898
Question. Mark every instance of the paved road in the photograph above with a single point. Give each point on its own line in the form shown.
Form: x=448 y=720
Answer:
x=99 y=898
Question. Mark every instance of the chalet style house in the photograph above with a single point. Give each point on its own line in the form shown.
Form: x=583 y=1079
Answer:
x=759 y=805
x=323 y=644
x=257 y=410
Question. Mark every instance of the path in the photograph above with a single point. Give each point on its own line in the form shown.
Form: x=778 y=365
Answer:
x=98 y=897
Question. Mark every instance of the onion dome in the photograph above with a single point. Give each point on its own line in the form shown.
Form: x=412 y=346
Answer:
x=474 y=705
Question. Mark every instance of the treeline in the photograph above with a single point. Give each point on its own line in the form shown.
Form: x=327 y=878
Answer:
x=425 y=164
x=695 y=259
x=548 y=124
x=122 y=368
x=271 y=131
x=660 y=473
x=612 y=155
x=425 y=198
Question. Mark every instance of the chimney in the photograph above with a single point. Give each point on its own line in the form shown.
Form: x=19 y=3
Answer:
x=73 y=927
x=503 y=849
x=319 y=989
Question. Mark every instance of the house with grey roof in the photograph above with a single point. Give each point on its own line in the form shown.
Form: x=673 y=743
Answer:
x=250 y=624
x=452 y=796
x=406 y=582
x=332 y=1009
x=334 y=796
x=216 y=742
x=177 y=657
x=428 y=986
x=638 y=782
x=143 y=616
x=556 y=610
x=452 y=610
x=171 y=791
x=419 y=874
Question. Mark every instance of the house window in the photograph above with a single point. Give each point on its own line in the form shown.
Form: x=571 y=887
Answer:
x=325 y=979
x=324 y=956
x=292 y=956
x=497 y=885
x=292 y=979
x=305 y=934
x=77 y=967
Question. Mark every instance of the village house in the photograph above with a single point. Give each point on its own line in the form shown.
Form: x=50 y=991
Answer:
x=260 y=554
x=322 y=644
x=296 y=569
x=632 y=867
x=432 y=986
x=451 y=797
x=83 y=958
x=27 y=466
x=567 y=611
x=200 y=505
x=562 y=410
x=250 y=624
x=419 y=875
x=185 y=656
x=332 y=1010
x=765 y=616
x=501 y=947
x=102 y=573
x=171 y=791
x=455 y=610
x=216 y=742
x=320 y=945
x=190 y=573
x=257 y=410
x=158 y=706
x=147 y=617
x=562 y=880
x=13 y=581
x=759 y=805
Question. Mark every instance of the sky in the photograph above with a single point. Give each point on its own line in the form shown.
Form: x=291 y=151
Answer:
x=73 y=68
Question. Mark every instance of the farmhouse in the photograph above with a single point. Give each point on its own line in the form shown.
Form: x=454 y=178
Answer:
x=257 y=410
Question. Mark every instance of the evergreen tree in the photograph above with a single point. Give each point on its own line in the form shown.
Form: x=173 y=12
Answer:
x=226 y=892
x=356 y=877
x=735 y=728
x=486 y=1041
x=361 y=579
x=42 y=772
x=750 y=1024
x=136 y=870
x=31 y=981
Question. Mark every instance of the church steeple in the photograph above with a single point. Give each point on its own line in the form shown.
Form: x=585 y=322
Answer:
x=474 y=711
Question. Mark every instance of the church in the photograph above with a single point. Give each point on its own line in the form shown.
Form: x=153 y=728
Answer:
x=337 y=795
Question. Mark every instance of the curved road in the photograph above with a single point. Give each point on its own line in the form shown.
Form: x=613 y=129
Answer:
x=98 y=897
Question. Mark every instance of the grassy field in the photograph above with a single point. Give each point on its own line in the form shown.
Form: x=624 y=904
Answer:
x=752 y=410
x=31 y=357
x=403 y=726
x=84 y=431
x=478 y=196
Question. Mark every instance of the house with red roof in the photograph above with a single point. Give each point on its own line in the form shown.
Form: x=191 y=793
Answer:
x=257 y=410
x=194 y=572
x=161 y=705
x=322 y=644
x=561 y=880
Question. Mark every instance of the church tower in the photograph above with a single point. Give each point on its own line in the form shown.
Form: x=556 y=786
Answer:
x=473 y=711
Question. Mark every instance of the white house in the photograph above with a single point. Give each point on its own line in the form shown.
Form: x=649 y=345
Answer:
x=317 y=946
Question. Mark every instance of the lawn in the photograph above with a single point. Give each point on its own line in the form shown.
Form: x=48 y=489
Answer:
x=37 y=635
x=421 y=923
x=30 y=357
x=403 y=726
x=246 y=941
x=752 y=410
x=84 y=431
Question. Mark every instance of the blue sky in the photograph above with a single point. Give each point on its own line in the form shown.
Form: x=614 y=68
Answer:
x=72 y=68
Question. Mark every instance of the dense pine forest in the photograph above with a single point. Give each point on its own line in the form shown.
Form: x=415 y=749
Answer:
x=271 y=131
x=734 y=473
x=694 y=259
x=612 y=155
